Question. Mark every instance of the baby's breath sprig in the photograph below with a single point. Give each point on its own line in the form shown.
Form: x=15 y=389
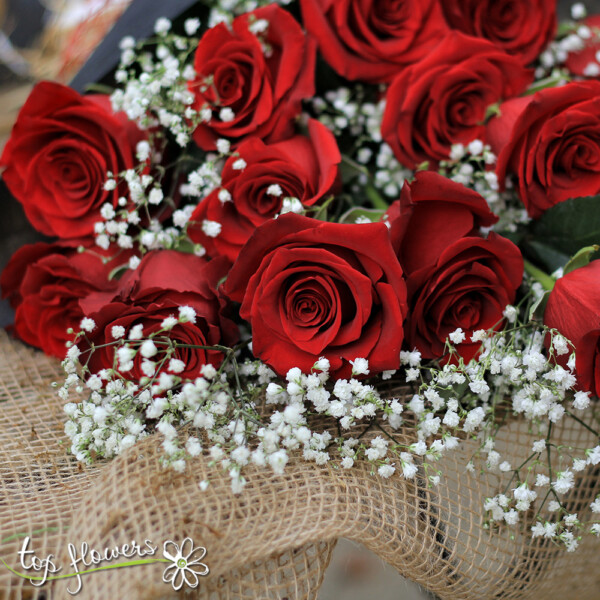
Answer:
x=472 y=165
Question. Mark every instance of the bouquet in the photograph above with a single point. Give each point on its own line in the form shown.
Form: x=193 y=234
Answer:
x=359 y=233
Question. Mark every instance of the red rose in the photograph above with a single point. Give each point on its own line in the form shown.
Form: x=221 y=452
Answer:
x=432 y=213
x=310 y=288
x=303 y=167
x=551 y=142
x=372 y=40
x=573 y=309
x=252 y=83
x=584 y=62
x=455 y=277
x=522 y=28
x=44 y=283
x=443 y=99
x=57 y=157
x=164 y=281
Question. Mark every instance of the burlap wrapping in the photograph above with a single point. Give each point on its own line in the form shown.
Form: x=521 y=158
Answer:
x=275 y=539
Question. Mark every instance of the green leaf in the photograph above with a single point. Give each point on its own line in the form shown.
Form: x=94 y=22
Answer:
x=373 y=214
x=581 y=259
x=570 y=225
x=117 y=272
x=492 y=110
x=550 y=258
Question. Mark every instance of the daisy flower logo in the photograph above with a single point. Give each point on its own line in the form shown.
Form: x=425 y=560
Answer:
x=186 y=564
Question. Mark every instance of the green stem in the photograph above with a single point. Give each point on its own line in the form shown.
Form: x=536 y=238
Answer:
x=376 y=198
x=582 y=423
x=546 y=280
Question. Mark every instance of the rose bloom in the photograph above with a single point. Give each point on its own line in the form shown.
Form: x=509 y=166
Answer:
x=310 y=288
x=252 y=84
x=551 y=143
x=164 y=281
x=373 y=40
x=44 y=284
x=443 y=99
x=59 y=152
x=522 y=28
x=303 y=167
x=455 y=277
x=573 y=309
x=432 y=202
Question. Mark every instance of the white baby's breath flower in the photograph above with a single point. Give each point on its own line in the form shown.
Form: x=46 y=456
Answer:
x=191 y=26
x=581 y=400
x=87 y=324
x=360 y=366
x=223 y=146
x=162 y=26
x=226 y=115
x=211 y=228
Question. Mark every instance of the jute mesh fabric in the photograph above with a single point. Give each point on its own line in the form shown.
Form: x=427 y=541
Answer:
x=275 y=539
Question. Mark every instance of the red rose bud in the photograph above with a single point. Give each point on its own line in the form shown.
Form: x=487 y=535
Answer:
x=44 y=284
x=251 y=78
x=455 y=277
x=443 y=99
x=551 y=144
x=164 y=281
x=522 y=29
x=573 y=309
x=310 y=288
x=432 y=213
x=59 y=152
x=373 y=40
x=301 y=167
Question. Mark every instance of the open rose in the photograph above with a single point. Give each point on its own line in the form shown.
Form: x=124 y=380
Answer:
x=551 y=143
x=373 y=40
x=251 y=77
x=310 y=289
x=59 y=152
x=455 y=277
x=443 y=99
x=522 y=28
x=301 y=167
x=573 y=309
x=164 y=281
x=44 y=284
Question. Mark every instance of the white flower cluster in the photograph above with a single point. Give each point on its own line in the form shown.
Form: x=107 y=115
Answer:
x=223 y=11
x=511 y=364
x=218 y=413
x=346 y=111
x=472 y=165
x=573 y=39
x=155 y=84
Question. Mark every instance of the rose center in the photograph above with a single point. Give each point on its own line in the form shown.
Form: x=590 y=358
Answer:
x=388 y=17
x=466 y=313
x=308 y=303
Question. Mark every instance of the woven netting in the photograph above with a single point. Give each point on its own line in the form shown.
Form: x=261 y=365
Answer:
x=276 y=538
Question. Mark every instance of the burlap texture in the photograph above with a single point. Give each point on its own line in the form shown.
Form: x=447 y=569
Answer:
x=275 y=539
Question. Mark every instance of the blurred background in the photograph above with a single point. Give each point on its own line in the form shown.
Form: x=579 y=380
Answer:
x=54 y=39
